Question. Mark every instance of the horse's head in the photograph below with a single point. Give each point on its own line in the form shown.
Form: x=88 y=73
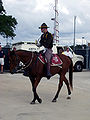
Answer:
x=14 y=62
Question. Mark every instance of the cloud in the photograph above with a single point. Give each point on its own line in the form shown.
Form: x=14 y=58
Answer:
x=65 y=10
x=30 y=14
x=41 y=6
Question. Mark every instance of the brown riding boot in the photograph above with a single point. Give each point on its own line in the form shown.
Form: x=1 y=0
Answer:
x=48 y=71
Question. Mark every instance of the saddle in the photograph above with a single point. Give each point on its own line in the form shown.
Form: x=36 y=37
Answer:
x=55 y=60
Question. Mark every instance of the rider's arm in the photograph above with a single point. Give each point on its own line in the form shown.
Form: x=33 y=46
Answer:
x=37 y=43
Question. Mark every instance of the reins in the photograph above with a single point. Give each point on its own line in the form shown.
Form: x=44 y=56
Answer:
x=26 y=66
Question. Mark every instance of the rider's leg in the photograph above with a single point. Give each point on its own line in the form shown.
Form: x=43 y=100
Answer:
x=48 y=69
x=48 y=55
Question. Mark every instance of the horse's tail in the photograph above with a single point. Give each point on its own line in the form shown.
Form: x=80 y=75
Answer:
x=71 y=74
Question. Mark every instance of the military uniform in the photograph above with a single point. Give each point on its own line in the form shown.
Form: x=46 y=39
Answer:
x=47 y=42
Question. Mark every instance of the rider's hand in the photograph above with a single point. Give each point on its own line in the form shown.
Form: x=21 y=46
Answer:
x=36 y=42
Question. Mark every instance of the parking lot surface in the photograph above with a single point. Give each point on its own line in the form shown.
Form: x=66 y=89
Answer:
x=16 y=95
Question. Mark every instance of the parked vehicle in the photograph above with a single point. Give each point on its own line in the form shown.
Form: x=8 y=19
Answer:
x=78 y=60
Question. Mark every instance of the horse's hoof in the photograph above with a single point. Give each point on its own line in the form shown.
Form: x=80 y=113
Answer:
x=54 y=100
x=32 y=102
x=68 y=97
x=40 y=100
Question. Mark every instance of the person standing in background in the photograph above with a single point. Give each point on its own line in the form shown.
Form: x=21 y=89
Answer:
x=2 y=56
x=68 y=53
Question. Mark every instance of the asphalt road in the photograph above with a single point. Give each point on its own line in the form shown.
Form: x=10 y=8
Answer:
x=16 y=95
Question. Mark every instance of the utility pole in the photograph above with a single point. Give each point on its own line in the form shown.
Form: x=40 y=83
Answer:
x=56 y=27
x=74 y=32
x=56 y=24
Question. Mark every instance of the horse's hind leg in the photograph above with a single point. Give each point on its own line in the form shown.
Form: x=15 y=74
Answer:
x=59 y=88
x=68 y=87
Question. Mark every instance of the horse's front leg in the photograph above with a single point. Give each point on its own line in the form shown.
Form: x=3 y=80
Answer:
x=35 y=84
x=32 y=79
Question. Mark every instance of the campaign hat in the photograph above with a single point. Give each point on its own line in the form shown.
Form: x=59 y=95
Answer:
x=43 y=26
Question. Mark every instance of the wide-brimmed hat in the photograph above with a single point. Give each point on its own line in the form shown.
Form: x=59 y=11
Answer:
x=43 y=26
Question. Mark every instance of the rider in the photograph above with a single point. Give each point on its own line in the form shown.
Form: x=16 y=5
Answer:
x=46 y=41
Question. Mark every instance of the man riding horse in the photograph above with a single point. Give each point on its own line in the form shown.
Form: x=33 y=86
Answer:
x=46 y=41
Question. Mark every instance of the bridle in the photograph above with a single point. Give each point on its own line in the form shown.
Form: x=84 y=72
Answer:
x=24 y=66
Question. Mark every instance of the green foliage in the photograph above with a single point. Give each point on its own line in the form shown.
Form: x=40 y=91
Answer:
x=7 y=26
x=7 y=23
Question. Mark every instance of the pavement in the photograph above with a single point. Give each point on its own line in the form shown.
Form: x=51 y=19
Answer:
x=16 y=95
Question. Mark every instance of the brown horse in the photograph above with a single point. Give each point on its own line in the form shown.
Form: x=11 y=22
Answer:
x=36 y=70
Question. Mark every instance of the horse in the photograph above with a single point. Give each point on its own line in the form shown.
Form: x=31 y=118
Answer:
x=37 y=71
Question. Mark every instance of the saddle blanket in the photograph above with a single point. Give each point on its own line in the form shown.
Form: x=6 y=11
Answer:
x=55 y=61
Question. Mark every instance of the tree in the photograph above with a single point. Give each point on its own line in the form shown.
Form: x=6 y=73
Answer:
x=1 y=8
x=7 y=26
x=7 y=23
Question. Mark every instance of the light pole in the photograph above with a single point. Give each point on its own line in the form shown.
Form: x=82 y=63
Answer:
x=56 y=24
x=74 y=32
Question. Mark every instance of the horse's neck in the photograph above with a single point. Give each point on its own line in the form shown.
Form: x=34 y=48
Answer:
x=24 y=56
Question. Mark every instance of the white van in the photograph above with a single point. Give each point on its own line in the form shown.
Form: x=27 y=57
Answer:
x=78 y=60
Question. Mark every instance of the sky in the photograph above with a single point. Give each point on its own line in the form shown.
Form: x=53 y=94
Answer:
x=30 y=14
